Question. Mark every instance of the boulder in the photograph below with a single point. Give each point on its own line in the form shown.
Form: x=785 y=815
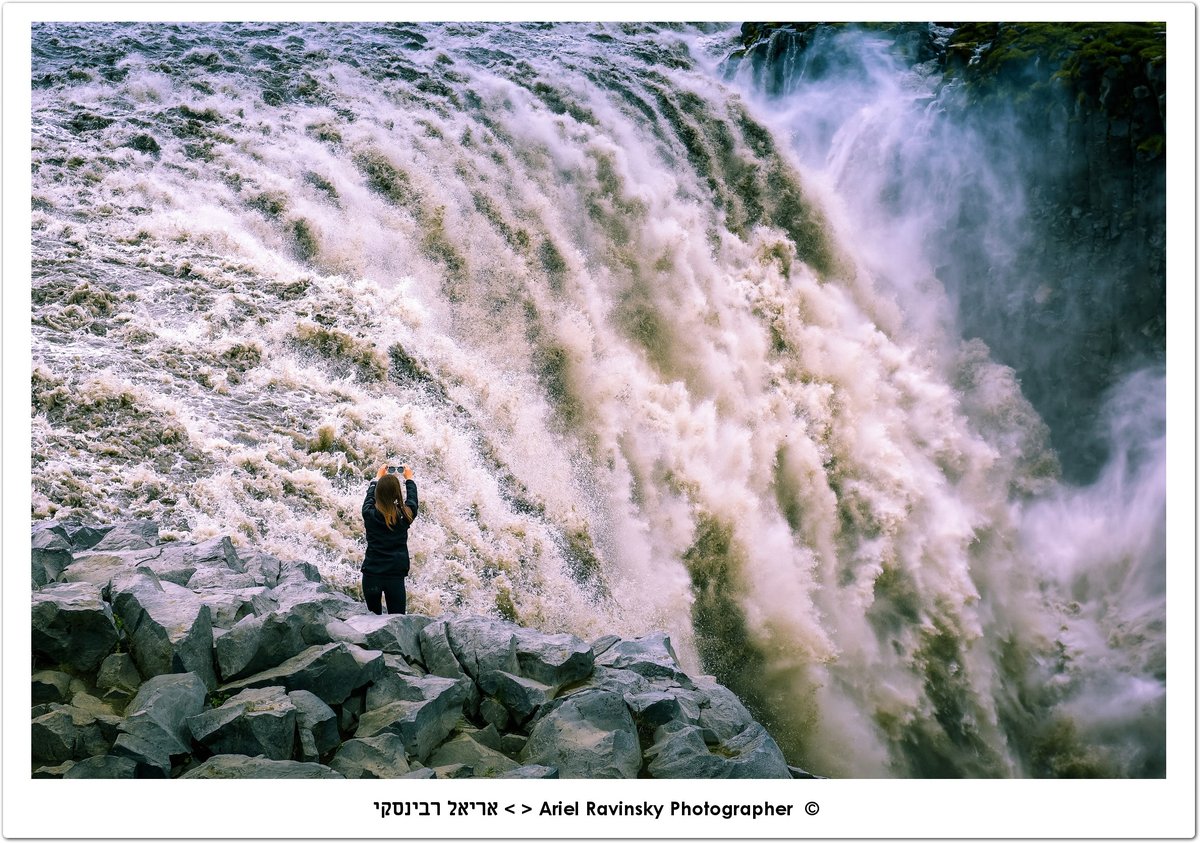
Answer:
x=220 y=578
x=421 y=773
x=465 y=749
x=379 y=757
x=155 y=732
x=439 y=659
x=73 y=626
x=51 y=686
x=423 y=723
x=395 y=634
x=101 y=567
x=118 y=677
x=254 y=722
x=681 y=753
x=481 y=645
x=150 y=758
x=650 y=656
x=132 y=535
x=316 y=726
x=168 y=627
x=102 y=767
x=721 y=711
x=291 y=594
x=261 y=567
x=56 y=771
x=530 y=771
x=83 y=536
x=602 y=644
x=589 y=734
x=242 y=767
x=553 y=660
x=67 y=733
x=395 y=685
x=179 y=562
x=512 y=744
x=255 y=644
x=227 y=606
x=350 y=710
x=331 y=671
x=51 y=553
x=494 y=713
x=520 y=697
x=454 y=771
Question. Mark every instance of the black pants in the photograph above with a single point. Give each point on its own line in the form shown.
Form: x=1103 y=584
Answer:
x=377 y=588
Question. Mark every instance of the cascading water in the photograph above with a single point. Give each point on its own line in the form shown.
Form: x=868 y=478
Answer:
x=620 y=323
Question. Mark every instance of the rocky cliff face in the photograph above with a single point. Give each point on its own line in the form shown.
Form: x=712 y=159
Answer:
x=1075 y=115
x=202 y=660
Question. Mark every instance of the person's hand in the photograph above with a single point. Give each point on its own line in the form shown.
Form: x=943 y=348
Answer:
x=382 y=471
x=408 y=472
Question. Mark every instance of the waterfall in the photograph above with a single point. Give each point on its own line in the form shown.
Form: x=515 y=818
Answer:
x=654 y=363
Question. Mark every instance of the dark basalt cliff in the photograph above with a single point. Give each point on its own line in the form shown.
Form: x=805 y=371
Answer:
x=1075 y=114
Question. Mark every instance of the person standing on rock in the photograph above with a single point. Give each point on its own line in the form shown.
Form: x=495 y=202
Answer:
x=387 y=518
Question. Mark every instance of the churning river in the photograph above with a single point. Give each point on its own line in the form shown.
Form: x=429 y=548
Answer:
x=654 y=357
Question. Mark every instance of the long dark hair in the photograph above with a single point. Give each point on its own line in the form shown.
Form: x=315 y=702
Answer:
x=387 y=499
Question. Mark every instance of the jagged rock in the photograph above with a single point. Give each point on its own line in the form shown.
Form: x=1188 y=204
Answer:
x=396 y=634
x=227 y=606
x=150 y=759
x=102 y=767
x=530 y=771
x=51 y=553
x=797 y=773
x=83 y=536
x=262 y=567
x=521 y=697
x=293 y=571
x=100 y=568
x=255 y=643
x=242 y=767
x=168 y=627
x=56 y=771
x=207 y=578
x=155 y=732
x=290 y=594
x=256 y=721
x=482 y=644
x=379 y=757
x=67 y=733
x=438 y=657
x=512 y=744
x=73 y=626
x=589 y=734
x=51 y=686
x=179 y=562
x=395 y=685
x=454 y=771
x=331 y=671
x=133 y=535
x=553 y=660
x=423 y=723
x=721 y=711
x=118 y=676
x=681 y=753
x=316 y=726
x=650 y=656
x=656 y=708
x=494 y=712
x=602 y=644
x=465 y=749
x=350 y=710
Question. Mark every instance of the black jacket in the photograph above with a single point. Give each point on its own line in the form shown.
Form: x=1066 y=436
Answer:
x=387 y=549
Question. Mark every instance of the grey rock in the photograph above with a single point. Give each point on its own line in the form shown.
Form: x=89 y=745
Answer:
x=118 y=677
x=454 y=771
x=289 y=595
x=255 y=644
x=553 y=660
x=350 y=710
x=650 y=656
x=51 y=553
x=656 y=708
x=179 y=562
x=422 y=724
x=227 y=606
x=601 y=645
x=83 y=536
x=168 y=628
x=530 y=771
x=133 y=535
x=316 y=726
x=331 y=671
x=379 y=757
x=67 y=733
x=798 y=773
x=436 y=653
x=207 y=578
x=512 y=744
x=242 y=767
x=102 y=767
x=721 y=712
x=159 y=711
x=586 y=735
x=293 y=571
x=483 y=644
x=254 y=722
x=494 y=712
x=101 y=567
x=151 y=760
x=395 y=634
x=521 y=697
x=395 y=684
x=682 y=753
x=465 y=749
x=262 y=567
x=51 y=686
x=73 y=626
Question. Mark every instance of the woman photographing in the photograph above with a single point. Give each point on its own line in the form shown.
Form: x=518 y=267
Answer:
x=387 y=511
